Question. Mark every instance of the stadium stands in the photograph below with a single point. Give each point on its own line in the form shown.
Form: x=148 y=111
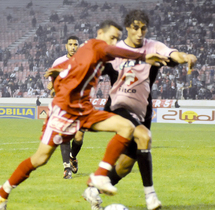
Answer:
x=32 y=34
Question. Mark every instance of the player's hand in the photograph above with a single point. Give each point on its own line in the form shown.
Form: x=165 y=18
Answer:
x=156 y=59
x=52 y=72
x=191 y=60
x=181 y=57
x=50 y=85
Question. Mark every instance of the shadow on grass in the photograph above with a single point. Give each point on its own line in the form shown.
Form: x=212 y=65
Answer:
x=194 y=207
x=80 y=175
x=165 y=147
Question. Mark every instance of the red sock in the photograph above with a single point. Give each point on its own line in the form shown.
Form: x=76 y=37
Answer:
x=21 y=173
x=3 y=194
x=114 y=149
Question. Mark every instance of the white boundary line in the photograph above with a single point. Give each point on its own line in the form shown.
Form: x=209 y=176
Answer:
x=30 y=142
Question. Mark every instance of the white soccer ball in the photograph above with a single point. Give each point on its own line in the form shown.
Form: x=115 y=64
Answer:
x=116 y=207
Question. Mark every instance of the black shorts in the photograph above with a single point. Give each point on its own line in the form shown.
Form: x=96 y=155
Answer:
x=132 y=149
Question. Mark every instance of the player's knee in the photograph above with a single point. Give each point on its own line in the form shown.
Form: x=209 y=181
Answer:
x=146 y=136
x=79 y=137
x=40 y=161
x=146 y=140
x=78 y=140
x=143 y=139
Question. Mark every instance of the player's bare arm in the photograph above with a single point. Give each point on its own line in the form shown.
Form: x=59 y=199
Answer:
x=156 y=59
x=181 y=57
x=152 y=58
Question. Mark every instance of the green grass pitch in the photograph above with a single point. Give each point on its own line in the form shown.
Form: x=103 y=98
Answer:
x=183 y=162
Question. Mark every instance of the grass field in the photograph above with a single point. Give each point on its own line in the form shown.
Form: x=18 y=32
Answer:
x=183 y=158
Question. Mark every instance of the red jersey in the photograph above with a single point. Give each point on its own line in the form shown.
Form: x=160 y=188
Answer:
x=81 y=72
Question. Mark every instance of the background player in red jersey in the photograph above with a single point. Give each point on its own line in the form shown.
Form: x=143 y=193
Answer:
x=70 y=162
x=71 y=109
x=137 y=77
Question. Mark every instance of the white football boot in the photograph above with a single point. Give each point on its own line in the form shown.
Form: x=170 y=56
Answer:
x=152 y=202
x=3 y=203
x=91 y=194
x=103 y=184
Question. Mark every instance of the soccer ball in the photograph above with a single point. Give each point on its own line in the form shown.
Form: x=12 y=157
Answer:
x=116 y=207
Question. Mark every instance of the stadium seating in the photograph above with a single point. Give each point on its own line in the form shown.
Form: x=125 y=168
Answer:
x=192 y=34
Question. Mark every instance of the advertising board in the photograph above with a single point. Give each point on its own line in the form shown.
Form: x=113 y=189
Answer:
x=188 y=116
x=18 y=112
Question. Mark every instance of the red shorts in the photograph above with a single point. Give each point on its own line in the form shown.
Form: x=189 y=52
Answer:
x=61 y=126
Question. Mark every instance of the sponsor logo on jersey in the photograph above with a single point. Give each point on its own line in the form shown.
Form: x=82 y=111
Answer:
x=130 y=63
x=130 y=78
x=127 y=90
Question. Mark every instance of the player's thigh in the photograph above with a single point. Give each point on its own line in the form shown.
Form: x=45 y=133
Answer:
x=42 y=155
x=116 y=124
x=142 y=137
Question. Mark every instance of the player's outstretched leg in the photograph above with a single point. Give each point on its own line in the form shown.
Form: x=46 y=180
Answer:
x=116 y=146
x=19 y=175
x=24 y=170
x=100 y=178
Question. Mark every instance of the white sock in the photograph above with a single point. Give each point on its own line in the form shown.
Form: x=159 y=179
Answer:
x=105 y=165
x=148 y=190
x=66 y=165
x=7 y=187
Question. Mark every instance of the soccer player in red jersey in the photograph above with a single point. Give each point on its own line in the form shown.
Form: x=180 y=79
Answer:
x=71 y=109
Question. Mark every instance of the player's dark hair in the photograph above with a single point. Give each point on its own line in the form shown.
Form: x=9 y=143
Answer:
x=72 y=37
x=136 y=15
x=107 y=23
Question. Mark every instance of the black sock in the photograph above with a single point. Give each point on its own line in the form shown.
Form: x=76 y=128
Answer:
x=76 y=148
x=144 y=159
x=114 y=177
x=65 y=151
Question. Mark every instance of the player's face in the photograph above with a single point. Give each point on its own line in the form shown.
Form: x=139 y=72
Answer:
x=112 y=35
x=71 y=47
x=136 y=33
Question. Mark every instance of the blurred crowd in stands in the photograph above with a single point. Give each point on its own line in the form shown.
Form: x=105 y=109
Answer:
x=187 y=25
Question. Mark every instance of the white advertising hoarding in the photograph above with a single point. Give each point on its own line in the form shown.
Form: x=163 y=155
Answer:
x=195 y=116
